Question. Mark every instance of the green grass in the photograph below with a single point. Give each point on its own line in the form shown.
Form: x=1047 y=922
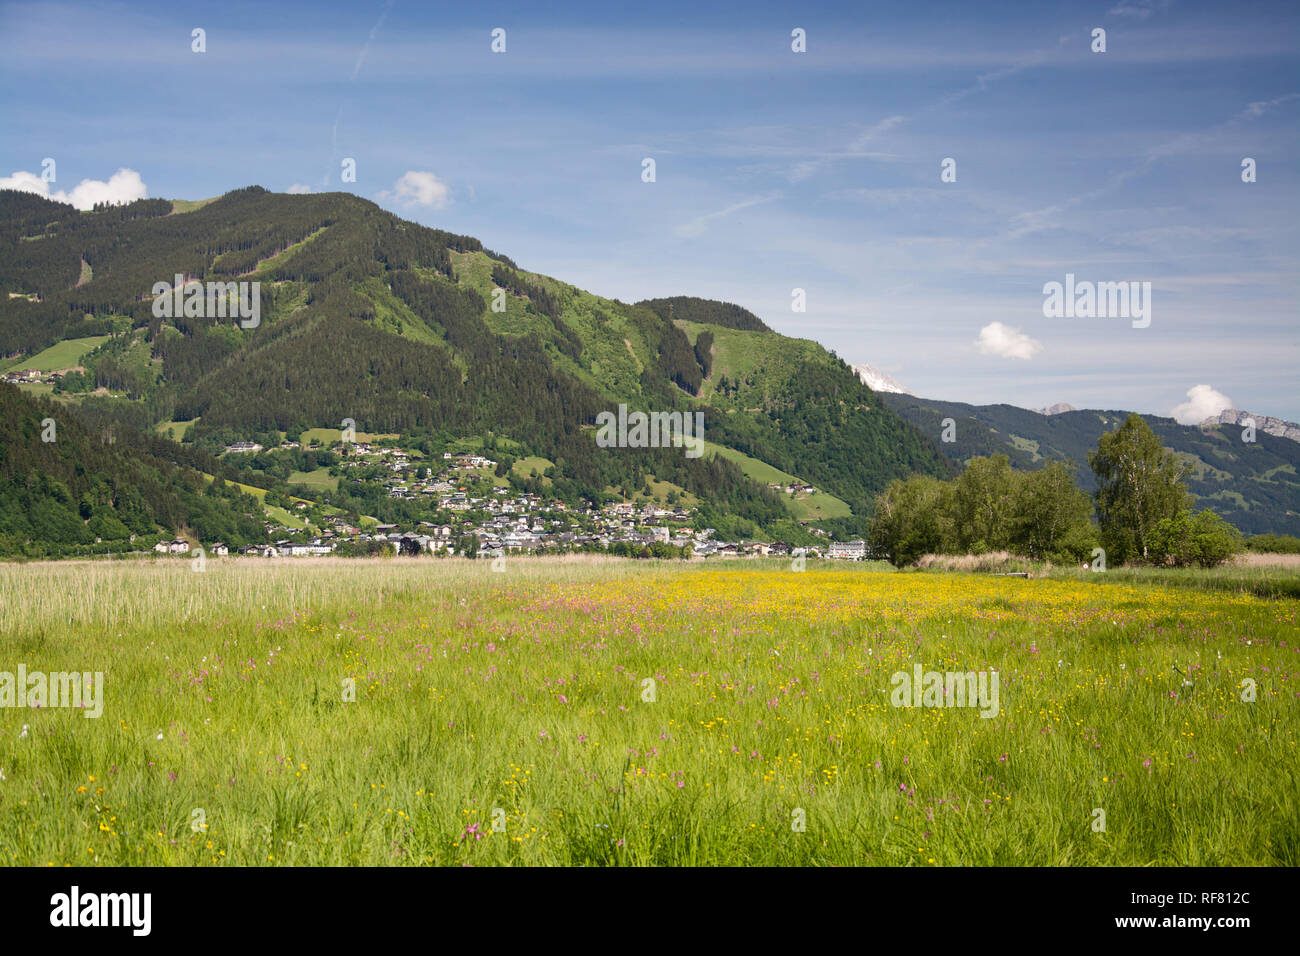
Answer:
x=1026 y=445
x=274 y=512
x=284 y=517
x=319 y=479
x=532 y=464
x=226 y=737
x=61 y=355
x=175 y=430
x=806 y=508
x=765 y=356
x=189 y=205
x=283 y=256
x=331 y=436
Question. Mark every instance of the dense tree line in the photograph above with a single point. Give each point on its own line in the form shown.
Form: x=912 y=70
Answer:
x=989 y=507
x=687 y=308
x=704 y=352
x=102 y=480
x=1141 y=503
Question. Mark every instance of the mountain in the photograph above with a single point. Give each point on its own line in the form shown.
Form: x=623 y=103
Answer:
x=74 y=486
x=1256 y=486
x=877 y=380
x=1056 y=409
x=427 y=335
x=1273 y=426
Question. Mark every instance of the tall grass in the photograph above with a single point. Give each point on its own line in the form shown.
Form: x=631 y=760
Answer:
x=521 y=698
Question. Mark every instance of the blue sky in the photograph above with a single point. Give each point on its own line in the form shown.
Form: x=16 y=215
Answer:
x=775 y=170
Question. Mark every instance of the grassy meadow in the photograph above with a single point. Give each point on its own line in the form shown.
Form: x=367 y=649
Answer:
x=606 y=712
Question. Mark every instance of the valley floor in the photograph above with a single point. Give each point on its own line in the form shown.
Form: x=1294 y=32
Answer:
x=598 y=711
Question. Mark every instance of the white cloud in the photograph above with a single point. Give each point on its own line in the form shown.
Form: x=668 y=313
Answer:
x=297 y=189
x=1202 y=402
x=123 y=186
x=1006 y=342
x=418 y=189
x=26 y=182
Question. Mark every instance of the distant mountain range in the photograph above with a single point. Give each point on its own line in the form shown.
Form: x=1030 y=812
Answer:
x=1253 y=485
x=1273 y=426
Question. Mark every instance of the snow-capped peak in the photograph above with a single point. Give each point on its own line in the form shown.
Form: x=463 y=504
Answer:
x=877 y=380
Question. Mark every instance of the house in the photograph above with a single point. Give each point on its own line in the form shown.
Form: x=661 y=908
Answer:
x=218 y=548
x=161 y=547
x=240 y=447
x=847 y=550
x=178 y=546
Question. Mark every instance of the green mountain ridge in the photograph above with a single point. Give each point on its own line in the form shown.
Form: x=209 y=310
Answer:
x=426 y=334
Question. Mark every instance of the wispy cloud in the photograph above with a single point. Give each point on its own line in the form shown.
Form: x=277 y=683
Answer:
x=697 y=226
x=1138 y=9
x=365 y=48
x=1036 y=220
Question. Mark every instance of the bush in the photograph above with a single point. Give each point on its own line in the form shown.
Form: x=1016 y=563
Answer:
x=1202 y=539
x=1273 y=544
x=990 y=508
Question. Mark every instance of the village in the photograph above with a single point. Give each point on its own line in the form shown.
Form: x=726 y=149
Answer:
x=473 y=513
x=31 y=376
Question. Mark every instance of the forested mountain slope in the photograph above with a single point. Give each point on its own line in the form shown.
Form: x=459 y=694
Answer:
x=414 y=331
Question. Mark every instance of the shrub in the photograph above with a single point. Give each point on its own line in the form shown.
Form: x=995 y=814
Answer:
x=1273 y=544
x=1186 y=539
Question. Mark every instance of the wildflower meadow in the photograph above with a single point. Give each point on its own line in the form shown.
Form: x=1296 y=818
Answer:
x=604 y=712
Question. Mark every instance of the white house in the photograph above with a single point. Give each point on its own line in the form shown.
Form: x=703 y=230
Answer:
x=847 y=550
